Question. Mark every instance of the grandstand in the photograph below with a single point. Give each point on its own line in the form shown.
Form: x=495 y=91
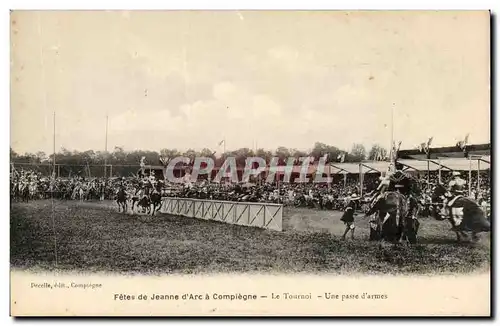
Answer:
x=477 y=158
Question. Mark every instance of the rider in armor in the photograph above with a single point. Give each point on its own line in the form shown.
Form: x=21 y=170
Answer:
x=385 y=181
x=396 y=180
x=456 y=187
x=401 y=181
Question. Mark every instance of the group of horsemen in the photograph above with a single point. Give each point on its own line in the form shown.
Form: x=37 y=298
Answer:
x=31 y=185
x=396 y=180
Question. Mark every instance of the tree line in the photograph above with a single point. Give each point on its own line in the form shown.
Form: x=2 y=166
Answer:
x=126 y=162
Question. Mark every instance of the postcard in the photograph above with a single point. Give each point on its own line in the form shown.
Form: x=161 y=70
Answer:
x=250 y=163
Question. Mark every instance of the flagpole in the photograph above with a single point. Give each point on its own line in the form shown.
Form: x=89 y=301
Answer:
x=478 y=177
x=54 y=145
x=227 y=107
x=470 y=176
x=428 y=166
x=392 y=131
x=106 y=149
x=439 y=160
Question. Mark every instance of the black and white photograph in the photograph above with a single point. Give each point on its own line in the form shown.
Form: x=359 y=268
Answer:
x=202 y=143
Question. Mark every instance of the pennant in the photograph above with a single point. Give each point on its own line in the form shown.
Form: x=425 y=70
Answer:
x=422 y=147
x=463 y=143
x=164 y=160
x=429 y=142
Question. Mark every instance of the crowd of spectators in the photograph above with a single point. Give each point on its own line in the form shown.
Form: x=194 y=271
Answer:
x=313 y=195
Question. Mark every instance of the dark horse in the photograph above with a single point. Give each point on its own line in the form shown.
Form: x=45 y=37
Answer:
x=396 y=219
x=121 y=200
x=24 y=192
x=155 y=200
x=464 y=214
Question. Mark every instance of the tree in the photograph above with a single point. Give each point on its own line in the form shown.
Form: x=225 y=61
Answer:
x=118 y=156
x=191 y=153
x=41 y=156
x=320 y=149
x=282 y=152
x=297 y=153
x=207 y=152
x=377 y=153
x=357 y=154
x=266 y=155
x=13 y=154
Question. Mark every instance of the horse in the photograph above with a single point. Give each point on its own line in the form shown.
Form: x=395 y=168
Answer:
x=24 y=192
x=121 y=199
x=155 y=200
x=396 y=218
x=81 y=194
x=141 y=198
x=463 y=213
x=92 y=193
x=33 y=190
x=145 y=203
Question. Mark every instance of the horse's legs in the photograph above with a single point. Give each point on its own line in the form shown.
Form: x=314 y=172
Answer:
x=464 y=235
x=133 y=205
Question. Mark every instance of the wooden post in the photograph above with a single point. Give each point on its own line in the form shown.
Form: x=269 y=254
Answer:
x=478 y=177
x=470 y=176
x=360 y=179
x=439 y=171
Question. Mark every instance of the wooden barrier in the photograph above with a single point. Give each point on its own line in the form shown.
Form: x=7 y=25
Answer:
x=261 y=215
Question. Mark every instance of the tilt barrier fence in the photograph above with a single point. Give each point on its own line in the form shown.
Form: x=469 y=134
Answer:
x=261 y=215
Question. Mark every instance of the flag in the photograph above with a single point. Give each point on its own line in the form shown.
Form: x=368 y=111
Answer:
x=221 y=142
x=425 y=147
x=395 y=150
x=429 y=142
x=164 y=160
x=422 y=147
x=463 y=143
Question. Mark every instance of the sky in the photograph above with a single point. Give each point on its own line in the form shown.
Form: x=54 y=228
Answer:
x=189 y=79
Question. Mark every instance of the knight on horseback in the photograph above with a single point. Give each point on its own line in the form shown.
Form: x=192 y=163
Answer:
x=464 y=213
x=456 y=189
x=395 y=199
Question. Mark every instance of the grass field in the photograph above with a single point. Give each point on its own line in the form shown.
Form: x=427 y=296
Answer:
x=94 y=237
